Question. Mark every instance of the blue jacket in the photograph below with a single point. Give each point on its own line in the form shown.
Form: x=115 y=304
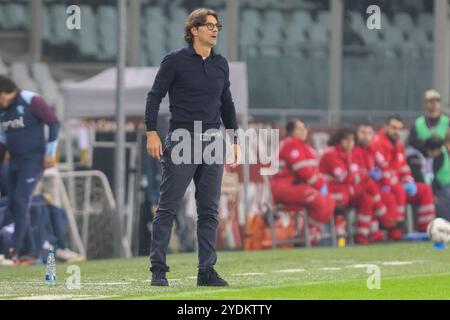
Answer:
x=22 y=126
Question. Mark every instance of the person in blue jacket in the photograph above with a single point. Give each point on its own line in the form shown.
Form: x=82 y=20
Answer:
x=23 y=117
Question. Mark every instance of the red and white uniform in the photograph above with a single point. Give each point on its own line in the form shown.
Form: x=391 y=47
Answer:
x=396 y=171
x=298 y=181
x=385 y=210
x=347 y=188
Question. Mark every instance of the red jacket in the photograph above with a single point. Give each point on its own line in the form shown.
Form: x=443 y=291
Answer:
x=298 y=160
x=391 y=159
x=338 y=167
x=364 y=157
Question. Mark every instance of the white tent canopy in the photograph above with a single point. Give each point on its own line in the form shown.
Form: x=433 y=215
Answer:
x=96 y=96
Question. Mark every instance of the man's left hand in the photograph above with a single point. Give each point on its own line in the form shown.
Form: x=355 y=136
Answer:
x=235 y=155
x=410 y=188
x=49 y=162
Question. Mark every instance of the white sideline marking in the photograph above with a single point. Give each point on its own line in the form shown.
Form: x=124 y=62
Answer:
x=397 y=263
x=193 y=277
x=105 y=283
x=290 y=270
x=330 y=269
x=361 y=266
x=62 y=297
x=385 y=263
x=249 y=274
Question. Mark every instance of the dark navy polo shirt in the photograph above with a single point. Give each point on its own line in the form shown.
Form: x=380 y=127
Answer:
x=199 y=90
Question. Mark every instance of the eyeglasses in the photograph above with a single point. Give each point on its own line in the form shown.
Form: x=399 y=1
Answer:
x=211 y=26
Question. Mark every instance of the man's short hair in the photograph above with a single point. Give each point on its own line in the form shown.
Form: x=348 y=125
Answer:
x=7 y=85
x=290 y=125
x=396 y=117
x=195 y=19
x=363 y=124
x=434 y=143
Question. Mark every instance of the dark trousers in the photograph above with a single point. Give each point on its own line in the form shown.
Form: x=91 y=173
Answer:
x=23 y=176
x=442 y=198
x=175 y=180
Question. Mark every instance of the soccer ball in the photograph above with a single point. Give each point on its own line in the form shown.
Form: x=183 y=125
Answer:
x=439 y=230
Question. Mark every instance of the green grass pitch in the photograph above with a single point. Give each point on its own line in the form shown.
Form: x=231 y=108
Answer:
x=407 y=271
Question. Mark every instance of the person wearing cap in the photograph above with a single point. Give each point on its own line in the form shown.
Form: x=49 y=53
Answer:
x=432 y=123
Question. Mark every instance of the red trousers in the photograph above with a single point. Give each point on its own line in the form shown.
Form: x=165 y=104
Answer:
x=346 y=196
x=372 y=205
x=320 y=208
x=423 y=199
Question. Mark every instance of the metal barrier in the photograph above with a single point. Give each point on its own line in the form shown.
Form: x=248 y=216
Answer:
x=91 y=209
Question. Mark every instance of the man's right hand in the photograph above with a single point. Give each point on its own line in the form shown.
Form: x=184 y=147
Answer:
x=154 y=146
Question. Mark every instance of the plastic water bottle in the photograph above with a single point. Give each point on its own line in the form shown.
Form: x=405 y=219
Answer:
x=50 y=271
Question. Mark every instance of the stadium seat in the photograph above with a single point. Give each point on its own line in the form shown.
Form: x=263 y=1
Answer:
x=371 y=37
x=271 y=29
x=143 y=57
x=88 y=44
x=426 y=22
x=318 y=35
x=46 y=25
x=152 y=28
x=154 y=42
x=274 y=17
x=59 y=32
x=3 y=25
x=178 y=14
x=404 y=22
x=295 y=38
x=154 y=14
x=393 y=37
x=251 y=18
x=48 y=86
x=386 y=24
x=295 y=30
x=16 y=16
x=419 y=37
x=222 y=44
x=358 y=22
x=323 y=18
x=270 y=50
x=176 y=33
x=19 y=73
x=156 y=52
x=301 y=19
x=107 y=20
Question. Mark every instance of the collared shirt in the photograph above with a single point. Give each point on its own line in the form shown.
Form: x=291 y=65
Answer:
x=199 y=90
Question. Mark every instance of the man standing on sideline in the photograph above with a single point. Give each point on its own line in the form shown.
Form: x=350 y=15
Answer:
x=23 y=115
x=197 y=80
x=432 y=123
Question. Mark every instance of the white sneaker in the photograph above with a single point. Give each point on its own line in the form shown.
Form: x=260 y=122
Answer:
x=67 y=255
x=6 y=262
